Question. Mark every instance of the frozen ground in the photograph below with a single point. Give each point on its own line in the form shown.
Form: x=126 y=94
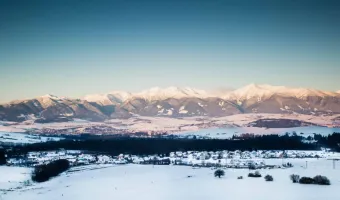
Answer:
x=128 y=182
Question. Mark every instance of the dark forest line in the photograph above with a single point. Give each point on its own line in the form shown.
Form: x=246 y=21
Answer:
x=161 y=145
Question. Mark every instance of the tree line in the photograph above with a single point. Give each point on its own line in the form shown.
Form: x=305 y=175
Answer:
x=145 y=146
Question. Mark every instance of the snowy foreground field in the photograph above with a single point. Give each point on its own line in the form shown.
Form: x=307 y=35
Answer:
x=127 y=182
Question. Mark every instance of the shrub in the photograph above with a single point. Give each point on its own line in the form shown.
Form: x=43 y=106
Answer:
x=240 y=177
x=44 y=172
x=27 y=183
x=295 y=178
x=252 y=167
x=218 y=173
x=306 y=180
x=2 y=157
x=255 y=175
x=321 y=180
x=269 y=178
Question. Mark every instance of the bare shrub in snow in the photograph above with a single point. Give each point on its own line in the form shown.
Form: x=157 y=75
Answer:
x=295 y=178
x=240 y=177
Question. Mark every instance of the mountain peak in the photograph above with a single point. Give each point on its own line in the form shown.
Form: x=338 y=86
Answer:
x=157 y=93
x=51 y=96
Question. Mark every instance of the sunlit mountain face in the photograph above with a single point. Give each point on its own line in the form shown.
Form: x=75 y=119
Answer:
x=175 y=102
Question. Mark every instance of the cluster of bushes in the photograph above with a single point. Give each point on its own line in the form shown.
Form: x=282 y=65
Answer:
x=44 y=172
x=269 y=178
x=319 y=180
x=255 y=175
x=219 y=173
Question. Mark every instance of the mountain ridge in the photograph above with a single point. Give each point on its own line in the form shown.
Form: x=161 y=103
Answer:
x=174 y=102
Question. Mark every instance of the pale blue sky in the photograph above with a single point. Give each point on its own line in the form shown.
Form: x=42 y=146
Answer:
x=74 y=48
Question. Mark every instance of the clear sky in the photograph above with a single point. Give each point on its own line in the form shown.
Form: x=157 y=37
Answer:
x=73 y=48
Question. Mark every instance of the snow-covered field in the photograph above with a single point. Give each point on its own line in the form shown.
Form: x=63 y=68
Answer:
x=127 y=182
x=23 y=138
x=12 y=177
x=224 y=133
x=164 y=124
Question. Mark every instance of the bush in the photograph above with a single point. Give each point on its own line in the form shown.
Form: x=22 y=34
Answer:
x=218 y=173
x=2 y=157
x=255 y=175
x=269 y=178
x=27 y=183
x=252 y=167
x=321 y=180
x=295 y=178
x=306 y=180
x=44 y=172
x=240 y=177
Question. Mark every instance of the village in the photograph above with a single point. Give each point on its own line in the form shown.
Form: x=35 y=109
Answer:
x=227 y=159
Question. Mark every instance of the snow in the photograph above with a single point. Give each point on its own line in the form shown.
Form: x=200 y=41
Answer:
x=182 y=110
x=108 y=98
x=300 y=107
x=224 y=133
x=157 y=93
x=152 y=94
x=266 y=91
x=169 y=112
x=51 y=96
x=12 y=177
x=172 y=182
x=201 y=104
x=164 y=123
x=22 y=138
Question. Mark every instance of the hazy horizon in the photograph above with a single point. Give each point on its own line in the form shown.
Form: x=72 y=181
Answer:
x=75 y=48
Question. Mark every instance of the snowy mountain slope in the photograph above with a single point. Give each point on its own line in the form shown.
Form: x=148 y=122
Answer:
x=175 y=102
x=49 y=108
x=152 y=94
x=112 y=98
x=266 y=91
x=157 y=93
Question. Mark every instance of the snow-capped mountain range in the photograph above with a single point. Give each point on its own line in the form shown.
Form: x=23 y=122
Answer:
x=175 y=102
x=152 y=94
